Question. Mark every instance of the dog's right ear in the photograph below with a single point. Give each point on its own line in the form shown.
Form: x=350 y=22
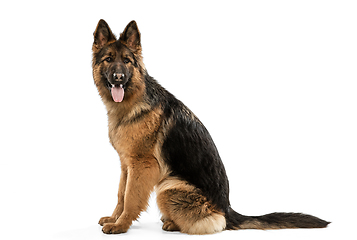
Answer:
x=102 y=35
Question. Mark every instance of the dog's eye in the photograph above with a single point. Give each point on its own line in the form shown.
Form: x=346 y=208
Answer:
x=126 y=60
x=108 y=59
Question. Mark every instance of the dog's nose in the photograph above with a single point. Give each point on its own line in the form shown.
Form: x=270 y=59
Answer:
x=118 y=76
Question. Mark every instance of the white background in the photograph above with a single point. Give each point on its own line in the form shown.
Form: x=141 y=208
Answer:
x=275 y=83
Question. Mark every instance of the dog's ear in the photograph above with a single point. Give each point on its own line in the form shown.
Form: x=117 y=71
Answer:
x=102 y=35
x=131 y=36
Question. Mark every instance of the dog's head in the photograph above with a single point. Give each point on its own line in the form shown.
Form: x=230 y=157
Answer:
x=117 y=64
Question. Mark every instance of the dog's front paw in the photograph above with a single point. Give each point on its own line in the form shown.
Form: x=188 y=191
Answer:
x=113 y=228
x=104 y=220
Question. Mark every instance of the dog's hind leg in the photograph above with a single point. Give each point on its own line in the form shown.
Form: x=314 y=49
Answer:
x=184 y=208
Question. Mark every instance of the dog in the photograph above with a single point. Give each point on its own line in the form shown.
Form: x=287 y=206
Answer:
x=163 y=146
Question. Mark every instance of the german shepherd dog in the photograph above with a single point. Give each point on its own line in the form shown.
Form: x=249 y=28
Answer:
x=164 y=147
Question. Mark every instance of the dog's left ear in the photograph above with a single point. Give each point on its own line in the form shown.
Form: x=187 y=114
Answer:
x=131 y=36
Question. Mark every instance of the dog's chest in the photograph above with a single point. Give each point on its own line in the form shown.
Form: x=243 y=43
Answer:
x=137 y=138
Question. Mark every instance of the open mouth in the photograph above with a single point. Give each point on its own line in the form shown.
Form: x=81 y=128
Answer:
x=116 y=85
x=117 y=92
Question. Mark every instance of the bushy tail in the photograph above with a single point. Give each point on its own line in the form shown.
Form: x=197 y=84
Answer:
x=273 y=221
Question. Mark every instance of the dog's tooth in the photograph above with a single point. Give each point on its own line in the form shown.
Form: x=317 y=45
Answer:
x=113 y=85
x=121 y=85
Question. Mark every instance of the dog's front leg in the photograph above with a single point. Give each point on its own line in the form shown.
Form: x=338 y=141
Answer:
x=143 y=175
x=121 y=193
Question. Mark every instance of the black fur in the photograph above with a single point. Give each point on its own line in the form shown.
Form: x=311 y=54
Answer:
x=192 y=155
x=189 y=149
x=297 y=220
x=273 y=221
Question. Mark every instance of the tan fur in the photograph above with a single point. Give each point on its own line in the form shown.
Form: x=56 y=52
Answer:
x=208 y=225
x=184 y=208
x=136 y=145
x=164 y=168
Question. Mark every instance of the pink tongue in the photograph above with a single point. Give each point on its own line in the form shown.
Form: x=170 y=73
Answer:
x=118 y=93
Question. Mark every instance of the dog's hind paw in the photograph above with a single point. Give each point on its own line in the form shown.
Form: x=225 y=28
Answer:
x=170 y=226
